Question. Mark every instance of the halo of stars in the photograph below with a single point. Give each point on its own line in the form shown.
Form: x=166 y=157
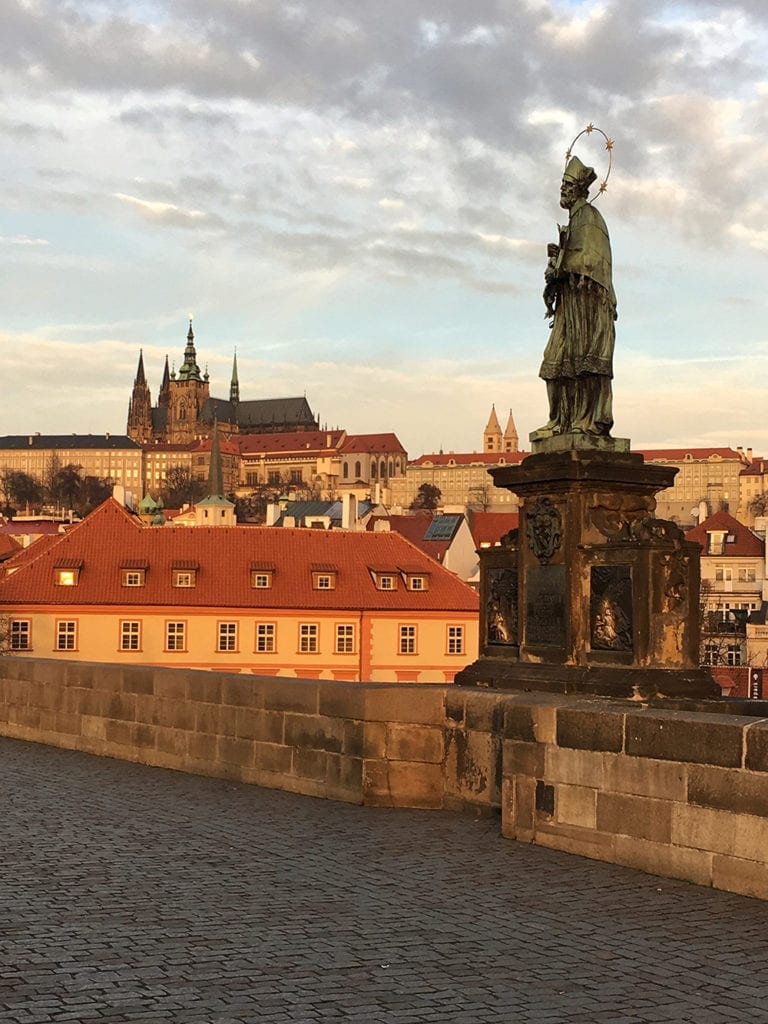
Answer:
x=608 y=145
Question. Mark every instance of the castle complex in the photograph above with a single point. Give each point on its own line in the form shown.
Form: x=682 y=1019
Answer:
x=186 y=411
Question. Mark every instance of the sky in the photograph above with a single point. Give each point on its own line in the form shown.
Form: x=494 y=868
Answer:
x=357 y=195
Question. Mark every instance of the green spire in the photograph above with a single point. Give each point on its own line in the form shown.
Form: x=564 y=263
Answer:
x=189 y=369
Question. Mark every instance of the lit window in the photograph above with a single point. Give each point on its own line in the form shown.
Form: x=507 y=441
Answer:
x=130 y=636
x=183 y=578
x=455 y=639
x=265 y=637
x=66 y=577
x=66 y=636
x=227 y=636
x=133 y=577
x=345 y=639
x=308 y=632
x=175 y=636
x=407 y=639
x=20 y=635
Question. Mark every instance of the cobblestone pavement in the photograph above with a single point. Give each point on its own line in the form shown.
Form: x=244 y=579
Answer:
x=134 y=894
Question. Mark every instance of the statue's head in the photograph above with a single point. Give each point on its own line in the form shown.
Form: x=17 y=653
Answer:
x=576 y=181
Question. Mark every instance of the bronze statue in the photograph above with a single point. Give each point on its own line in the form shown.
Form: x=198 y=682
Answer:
x=579 y=298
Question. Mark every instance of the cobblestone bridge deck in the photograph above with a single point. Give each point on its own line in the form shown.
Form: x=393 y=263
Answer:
x=134 y=894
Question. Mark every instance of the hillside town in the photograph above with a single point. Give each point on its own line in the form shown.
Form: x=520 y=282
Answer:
x=318 y=552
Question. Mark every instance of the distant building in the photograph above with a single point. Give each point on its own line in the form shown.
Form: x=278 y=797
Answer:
x=327 y=604
x=462 y=479
x=445 y=537
x=710 y=475
x=494 y=440
x=112 y=457
x=186 y=410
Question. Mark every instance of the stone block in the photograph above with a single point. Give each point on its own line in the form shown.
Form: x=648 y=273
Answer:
x=144 y=735
x=171 y=741
x=729 y=789
x=239 y=690
x=119 y=733
x=174 y=713
x=137 y=679
x=228 y=715
x=204 y=686
x=67 y=723
x=415 y=784
x=201 y=746
x=310 y=764
x=756 y=758
x=643 y=776
x=576 y=805
x=642 y=817
x=473 y=765
x=519 y=724
x=670 y=736
x=376 y=783
x=454 y=706
x=590 y=729
x=93 y=727
x=415 y=743
x=524 y=805
x=354 y=739
x=743 y=876
x=170 y=684
x=272 y=757
x=508 y=829
x=254 y=724
x=344 y=776
x=121 y=705
x=484 y=711
x=419 y=705
x=145 y=708
x=662 y=859
x=206 y=717
x=584 y=842
x=234 y=751
x=291 y=695
x=92 y=702
x=342 y=700
x=523 y=759
x=375 y=739
x=544 y=723
x=735 y=835
x=575 y=767
x=314 y=732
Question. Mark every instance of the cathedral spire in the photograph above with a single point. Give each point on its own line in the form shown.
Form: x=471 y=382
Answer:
x=164 y=394
x=140 y=375
x=511 y=441
x=189 y=368
x=234 y=387
x=139 y=426
x=492 y=433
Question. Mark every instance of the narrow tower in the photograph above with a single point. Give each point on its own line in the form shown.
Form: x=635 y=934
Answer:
x=234 y=386
x=215 y=509
x=139 y=426
x=511 y=441
x=492 y=434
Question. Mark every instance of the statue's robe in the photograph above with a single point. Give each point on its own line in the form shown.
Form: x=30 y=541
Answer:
x=578 y=359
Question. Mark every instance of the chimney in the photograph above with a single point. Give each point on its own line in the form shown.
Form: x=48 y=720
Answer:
x=273 y=513
x=348 y=511
x=749 y=456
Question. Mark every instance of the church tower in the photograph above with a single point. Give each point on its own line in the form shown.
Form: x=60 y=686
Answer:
x=511 y=441
x=492 y=435
x=139 y=427
x=234 y=385
x=215 y=509
x=188 y=392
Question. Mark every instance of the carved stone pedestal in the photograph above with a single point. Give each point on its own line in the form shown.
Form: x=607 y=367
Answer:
x=593 y=595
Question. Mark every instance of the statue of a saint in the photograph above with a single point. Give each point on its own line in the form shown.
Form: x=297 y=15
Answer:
x=579 y=297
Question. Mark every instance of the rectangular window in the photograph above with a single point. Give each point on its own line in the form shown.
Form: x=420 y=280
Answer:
x=175 y=636
x=296 y=476
x=734 y=654
x=455 y=639
x=227 y=636
x=324 y=580
x=407 y=639
x=261 y=580
x=130 y=636
x=416 y=582
x=345 y=639
x=20 y=635
x=133 y=577
x=183 y=578
x=66 y=577
x=386 y=582
x=308 y=632
x=274 y=477
x=66 y=636
x=265 y=637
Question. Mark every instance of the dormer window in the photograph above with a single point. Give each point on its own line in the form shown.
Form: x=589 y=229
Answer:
x=324 y=577
x=262 y=575
x=67 y=574
x=133 y=574
x=414 y=577
x=386 y=582
x=416 y=583
x=184 y=574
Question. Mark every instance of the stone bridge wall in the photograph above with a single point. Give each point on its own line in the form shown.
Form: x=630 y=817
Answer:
x=673 y=792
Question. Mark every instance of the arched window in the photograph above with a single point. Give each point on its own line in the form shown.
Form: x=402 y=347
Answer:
x=373 y=469
x=390 y=467
x=358 y=471
x=397 y=466
x=383 y=469
x=345 y=471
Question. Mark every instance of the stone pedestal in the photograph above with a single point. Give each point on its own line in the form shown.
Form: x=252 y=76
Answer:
x=594 y=595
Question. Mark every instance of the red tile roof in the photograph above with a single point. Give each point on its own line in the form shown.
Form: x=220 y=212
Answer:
x=110 y=535
x=745 y=544
x=413 y=529
x=9 y=546
x=489 y=527
x=372 y=444
x=471 y=459
x=291 y=441
x=758 y=467
x=697 y=454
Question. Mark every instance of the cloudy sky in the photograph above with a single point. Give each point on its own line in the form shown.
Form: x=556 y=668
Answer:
x=357 y=196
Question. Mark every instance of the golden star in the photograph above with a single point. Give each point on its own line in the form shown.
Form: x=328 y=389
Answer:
x=589 y=128
x=568 y=155
x=609 y=144
x=604 y=186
